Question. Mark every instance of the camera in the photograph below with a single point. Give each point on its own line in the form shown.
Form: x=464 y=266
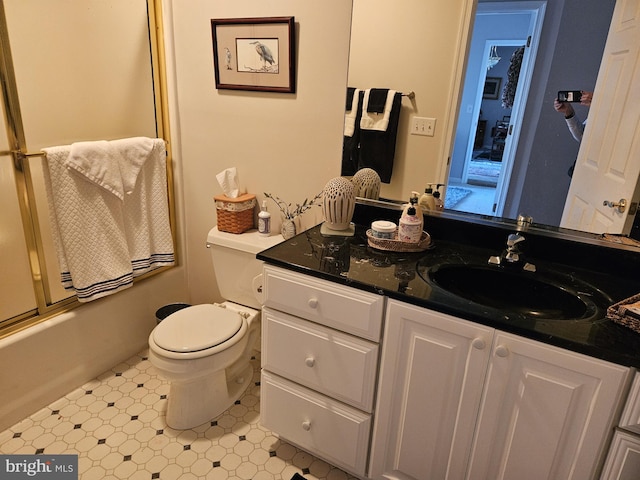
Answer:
x=572 y=96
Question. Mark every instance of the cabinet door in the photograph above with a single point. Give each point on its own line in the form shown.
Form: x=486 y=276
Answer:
x=546 y=413
x=630 y=419
x=432 y=372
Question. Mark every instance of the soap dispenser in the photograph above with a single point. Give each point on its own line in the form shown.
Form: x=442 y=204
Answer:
x=264 y=221
x=411 y=222
x=436 y=196
x=427 y=200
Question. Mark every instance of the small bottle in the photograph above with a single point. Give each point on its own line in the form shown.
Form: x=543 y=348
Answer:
x=410 y=229
x=413 y=199
x=439 y=202
x=427 y=200
x=264 y=220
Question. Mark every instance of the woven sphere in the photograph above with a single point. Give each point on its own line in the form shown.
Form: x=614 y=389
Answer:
x=338 y=203
x=367 y=183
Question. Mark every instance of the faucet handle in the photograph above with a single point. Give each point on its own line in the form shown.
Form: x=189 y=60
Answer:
x=513 y=239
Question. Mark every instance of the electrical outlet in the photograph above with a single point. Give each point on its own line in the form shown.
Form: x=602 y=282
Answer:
x=423 y=126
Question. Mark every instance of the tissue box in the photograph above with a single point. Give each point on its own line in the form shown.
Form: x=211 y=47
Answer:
x=235 y=215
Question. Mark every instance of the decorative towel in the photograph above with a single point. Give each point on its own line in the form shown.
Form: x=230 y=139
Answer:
x=377 y=100
x=104 y=241
x=352 y=112
x=351 y=139
x=146 y=213
x=112 y=165
x=378 y=134
x=95 y=161
x=373 y=120
x=88 y=229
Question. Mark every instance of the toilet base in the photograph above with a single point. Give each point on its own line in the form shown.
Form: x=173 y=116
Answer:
x=191 y=404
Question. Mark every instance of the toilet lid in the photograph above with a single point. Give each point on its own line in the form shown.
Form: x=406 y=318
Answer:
x=196 y=328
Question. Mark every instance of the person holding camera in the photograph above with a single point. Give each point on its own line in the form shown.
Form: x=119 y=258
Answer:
x=575 y=126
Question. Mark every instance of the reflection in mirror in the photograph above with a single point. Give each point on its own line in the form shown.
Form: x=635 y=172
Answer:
x=560 y=50
x=528 y=145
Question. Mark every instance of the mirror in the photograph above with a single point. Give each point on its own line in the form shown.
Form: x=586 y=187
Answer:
x=538 y=181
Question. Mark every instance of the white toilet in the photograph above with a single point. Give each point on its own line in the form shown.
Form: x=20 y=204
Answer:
x=204 y=351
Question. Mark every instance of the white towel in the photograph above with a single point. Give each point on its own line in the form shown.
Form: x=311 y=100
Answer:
x=88 y=229
x=350 y=116
x=132 y=155
x=146 y=215
x=101 y=240
x=96 y=162
x=376 y=121
x=113 y=165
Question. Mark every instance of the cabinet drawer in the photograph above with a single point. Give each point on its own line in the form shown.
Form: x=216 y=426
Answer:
x=324 y=427
x=343 y=308
x=331 y=362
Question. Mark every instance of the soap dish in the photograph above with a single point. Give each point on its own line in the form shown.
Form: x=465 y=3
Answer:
x=395 y=245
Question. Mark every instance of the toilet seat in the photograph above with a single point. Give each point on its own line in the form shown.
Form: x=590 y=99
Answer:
x=197 y=328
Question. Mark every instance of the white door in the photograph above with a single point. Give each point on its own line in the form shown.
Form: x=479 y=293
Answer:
x=608 y=164
x=546 y=413
x=431 y=380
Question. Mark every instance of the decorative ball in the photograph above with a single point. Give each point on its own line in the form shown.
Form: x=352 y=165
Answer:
x=367 y=183
x=338 y=203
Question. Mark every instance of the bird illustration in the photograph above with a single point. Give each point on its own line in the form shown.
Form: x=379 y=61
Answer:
x=228 y=58
x=265 y=54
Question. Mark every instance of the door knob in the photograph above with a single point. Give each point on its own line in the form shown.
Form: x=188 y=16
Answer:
x=621 y=205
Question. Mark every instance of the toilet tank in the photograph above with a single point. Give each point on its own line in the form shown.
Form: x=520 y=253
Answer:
x=235 y=263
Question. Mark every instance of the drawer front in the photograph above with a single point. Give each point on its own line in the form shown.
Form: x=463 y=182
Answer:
x=331 y=362
x=343 y=308
x=320 y=425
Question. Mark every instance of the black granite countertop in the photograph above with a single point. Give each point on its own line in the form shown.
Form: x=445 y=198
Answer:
x=352 y=262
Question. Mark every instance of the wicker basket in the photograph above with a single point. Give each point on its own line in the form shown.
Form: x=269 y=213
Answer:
x=395 y=245
x=235 y=215
x=620 y=313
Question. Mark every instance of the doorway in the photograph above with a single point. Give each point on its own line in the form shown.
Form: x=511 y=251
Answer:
x=488 y=127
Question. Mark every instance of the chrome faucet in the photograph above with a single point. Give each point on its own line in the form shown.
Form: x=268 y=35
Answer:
x=512 y=255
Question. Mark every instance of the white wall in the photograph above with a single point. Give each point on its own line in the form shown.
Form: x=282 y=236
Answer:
x=286 y=144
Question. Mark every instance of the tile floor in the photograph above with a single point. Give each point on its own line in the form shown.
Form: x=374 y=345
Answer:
x=116 y=425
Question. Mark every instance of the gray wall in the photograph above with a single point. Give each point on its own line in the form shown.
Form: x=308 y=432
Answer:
x=568 y=58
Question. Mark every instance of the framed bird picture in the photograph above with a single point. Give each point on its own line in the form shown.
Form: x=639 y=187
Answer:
x=254 y=54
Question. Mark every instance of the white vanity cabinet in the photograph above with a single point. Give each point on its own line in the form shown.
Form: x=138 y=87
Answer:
x=431 y=377
x=458 y=400
x=320 y=365
x=623 y=462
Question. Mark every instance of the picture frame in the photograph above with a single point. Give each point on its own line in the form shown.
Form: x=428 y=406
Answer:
x=254 y=54
x=491 y=88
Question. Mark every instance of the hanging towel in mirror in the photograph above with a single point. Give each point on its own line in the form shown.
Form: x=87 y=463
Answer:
x=378 y=140
x=351 y=139
x=372 y=120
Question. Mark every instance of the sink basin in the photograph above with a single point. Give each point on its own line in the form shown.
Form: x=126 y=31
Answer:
x=525 y=293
